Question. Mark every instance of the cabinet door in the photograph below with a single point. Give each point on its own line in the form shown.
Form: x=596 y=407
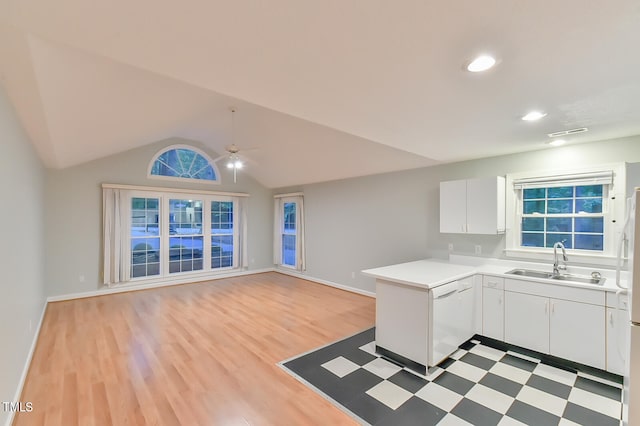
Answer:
x=402 y=320
x=577 y=332
x=493 y=313
x=453 y=206
x=466 y=310
x=482 y=211
x=617 y=340
x=526 y=321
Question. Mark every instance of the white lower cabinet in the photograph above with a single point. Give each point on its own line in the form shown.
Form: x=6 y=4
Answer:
x=493 y=307
x=617 y=339
x=526 y=321
x=576 y=332
x=568 y=329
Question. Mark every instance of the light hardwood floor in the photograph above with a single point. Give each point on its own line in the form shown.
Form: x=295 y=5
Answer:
x=191 y=354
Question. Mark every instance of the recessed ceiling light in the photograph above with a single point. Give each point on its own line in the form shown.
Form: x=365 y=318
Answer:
x=481 y=63
x=557 y=142
x=534 y=115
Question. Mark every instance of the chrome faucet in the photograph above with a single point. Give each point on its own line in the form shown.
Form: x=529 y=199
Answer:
x=556 y=266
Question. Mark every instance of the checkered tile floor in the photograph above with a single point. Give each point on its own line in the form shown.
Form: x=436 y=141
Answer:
x=477 y=385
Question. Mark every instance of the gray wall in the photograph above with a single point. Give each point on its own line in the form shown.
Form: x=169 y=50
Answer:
x=22 y=249
x=378 y=220
x=74 y=214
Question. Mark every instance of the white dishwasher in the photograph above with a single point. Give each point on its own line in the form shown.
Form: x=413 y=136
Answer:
x=452 y=315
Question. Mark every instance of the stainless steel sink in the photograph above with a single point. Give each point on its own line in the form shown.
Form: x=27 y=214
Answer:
x=562 y=277
x=530 y=273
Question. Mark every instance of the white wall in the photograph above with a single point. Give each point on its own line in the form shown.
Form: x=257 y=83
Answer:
x=378 y=220
x=22 y=250
x=74 y=214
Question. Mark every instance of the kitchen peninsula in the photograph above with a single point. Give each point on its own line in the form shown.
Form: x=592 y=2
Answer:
x=424 y=310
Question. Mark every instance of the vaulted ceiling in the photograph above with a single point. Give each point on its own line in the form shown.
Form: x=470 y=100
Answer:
x=324 y=90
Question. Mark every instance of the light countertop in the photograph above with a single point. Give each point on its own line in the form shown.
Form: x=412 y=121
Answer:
x=431 y=273
x=428 y=273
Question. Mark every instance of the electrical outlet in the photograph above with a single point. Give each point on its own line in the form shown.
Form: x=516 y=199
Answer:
x=450 y=247
x=81 y=278
x=478 y=249
x=353 y=275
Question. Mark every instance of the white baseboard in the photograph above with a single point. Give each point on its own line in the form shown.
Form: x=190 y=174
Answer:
x=325 y=282
x=27 y=364
x=140 y=286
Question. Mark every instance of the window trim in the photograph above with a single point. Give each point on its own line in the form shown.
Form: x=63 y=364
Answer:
x=123 y=253
x=211 y=162
x=164 y=206
x=279 y=201
x=614 y=204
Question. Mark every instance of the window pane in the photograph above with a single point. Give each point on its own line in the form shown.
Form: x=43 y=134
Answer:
x=589 y=205
x=560 y=206
x=290 y=216
x=533 y=193
x=531 y=207
x=222 y=217
x=222 y=251
x=145 y=250
x=560 y=192
x=532 y=240
x=532 y=224
x=289 y=249
x=185 y=254
x=144 y=217
x=560 y=224
x=589 y=242
x=145 y=237
x=183 y=163
x=138 y=203
x=590 y=224
x=185 y=217
x=563 y=211
x=589 y=191
x=563 y=238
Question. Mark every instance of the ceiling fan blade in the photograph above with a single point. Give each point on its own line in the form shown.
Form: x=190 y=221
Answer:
x=222 y=157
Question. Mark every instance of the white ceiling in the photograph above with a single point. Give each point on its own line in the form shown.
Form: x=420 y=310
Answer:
x=326 y=90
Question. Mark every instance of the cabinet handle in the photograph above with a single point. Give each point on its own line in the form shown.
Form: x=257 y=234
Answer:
x=499 y=300
x=611 y=318
x=553 y=308
x=546 y=307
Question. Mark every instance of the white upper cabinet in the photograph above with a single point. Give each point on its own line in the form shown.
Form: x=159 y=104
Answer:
x=473 y=206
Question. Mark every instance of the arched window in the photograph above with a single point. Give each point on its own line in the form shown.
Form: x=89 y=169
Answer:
x=183 y=162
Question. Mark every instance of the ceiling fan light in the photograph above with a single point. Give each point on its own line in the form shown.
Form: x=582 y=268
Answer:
x=237 y=164
x=230 y=165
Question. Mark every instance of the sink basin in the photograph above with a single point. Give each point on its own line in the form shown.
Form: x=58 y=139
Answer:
x=530 y=273
x=562 y=277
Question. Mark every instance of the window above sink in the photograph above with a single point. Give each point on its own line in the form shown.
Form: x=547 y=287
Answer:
x=583 y=209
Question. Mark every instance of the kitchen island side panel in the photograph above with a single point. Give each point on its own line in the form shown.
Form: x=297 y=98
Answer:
x=402 y=320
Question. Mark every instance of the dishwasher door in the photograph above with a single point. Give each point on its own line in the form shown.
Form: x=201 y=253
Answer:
x=452 y=320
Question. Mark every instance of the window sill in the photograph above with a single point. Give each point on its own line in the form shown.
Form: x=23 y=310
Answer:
x=182 y=277
x=574 y=258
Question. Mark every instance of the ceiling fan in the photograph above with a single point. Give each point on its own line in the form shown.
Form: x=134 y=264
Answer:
x=234 y=161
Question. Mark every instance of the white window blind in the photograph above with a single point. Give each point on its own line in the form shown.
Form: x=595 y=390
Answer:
x=575 y=179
